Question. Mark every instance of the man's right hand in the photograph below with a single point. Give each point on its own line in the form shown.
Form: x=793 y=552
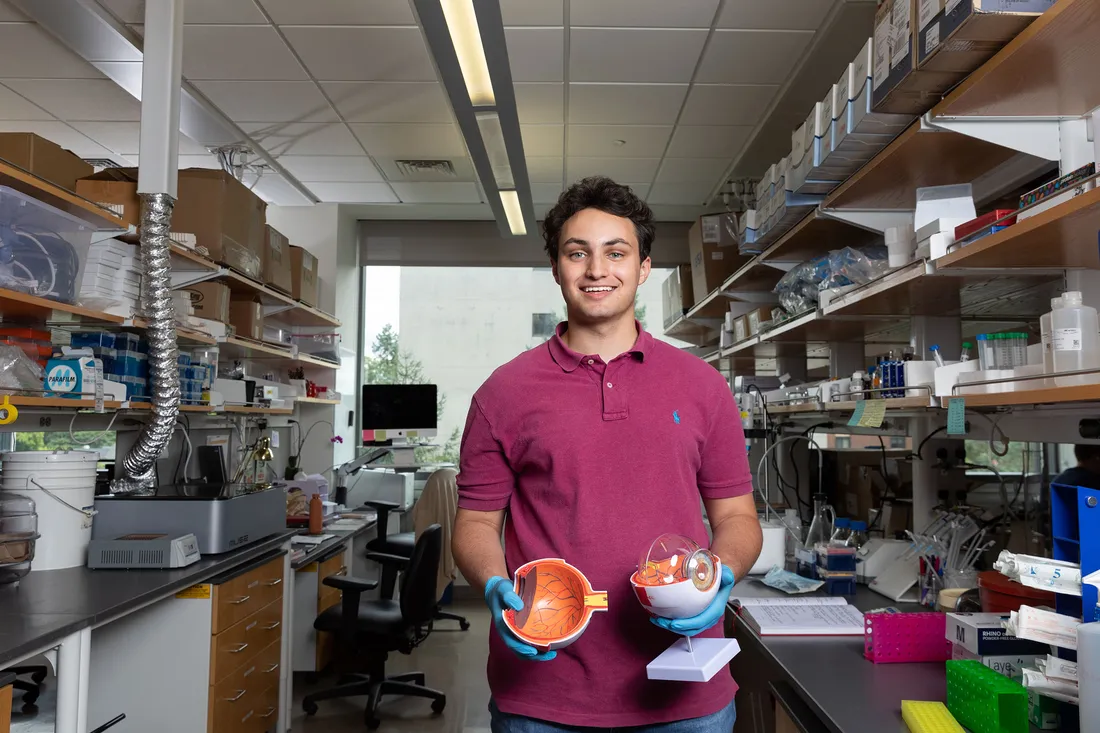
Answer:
x=499 y=596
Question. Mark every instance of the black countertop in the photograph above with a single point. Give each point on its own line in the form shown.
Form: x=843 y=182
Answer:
x=340 y=538
x=48 y=605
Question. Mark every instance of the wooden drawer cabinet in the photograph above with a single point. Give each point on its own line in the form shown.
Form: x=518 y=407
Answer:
x=327 y=597
x=243 y=699
x=245 y=594
x=238 y=645
x=5 y=709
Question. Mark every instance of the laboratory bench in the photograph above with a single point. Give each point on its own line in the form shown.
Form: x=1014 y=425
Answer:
x=823 y=683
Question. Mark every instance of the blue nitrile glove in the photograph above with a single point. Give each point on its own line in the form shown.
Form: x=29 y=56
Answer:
x=500 y=595
x=711 y=615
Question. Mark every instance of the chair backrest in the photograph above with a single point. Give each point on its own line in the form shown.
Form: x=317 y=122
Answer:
x=418 y=598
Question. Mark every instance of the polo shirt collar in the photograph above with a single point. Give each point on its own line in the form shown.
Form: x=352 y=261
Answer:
x=569 y=360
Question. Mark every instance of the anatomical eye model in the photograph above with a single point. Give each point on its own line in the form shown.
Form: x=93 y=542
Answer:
x=676 y=578
x=558 y=603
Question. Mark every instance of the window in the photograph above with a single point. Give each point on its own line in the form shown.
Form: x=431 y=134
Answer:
x=897 y=441
x=542 y=325
x=843 y=442
x=102 y=443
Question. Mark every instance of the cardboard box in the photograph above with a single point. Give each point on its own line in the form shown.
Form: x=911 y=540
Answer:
x=740 y=329
x=714 y=255
x=756 y=318
x=1009 y=665
x=1045 y=713
x=984 y=635
x=210 y=300
x=113 y=191
x=276 y=261
x=43 y=158
x=963 y=34
x=225 y=217
x=247 y=316
x=303 y=276
x=862 y=121
x=898 y=86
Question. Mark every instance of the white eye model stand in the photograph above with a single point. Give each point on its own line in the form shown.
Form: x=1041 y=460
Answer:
x=692 y=660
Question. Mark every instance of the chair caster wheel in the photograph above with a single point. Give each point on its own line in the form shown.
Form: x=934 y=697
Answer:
x=372 y=723
x=464 y=625
x=38 y=677
x=309 y=707
x=29 y=708
x=438 y=705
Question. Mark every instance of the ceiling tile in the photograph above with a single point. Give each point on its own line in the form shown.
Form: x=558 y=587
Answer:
x=194 y=11
x=354 y=193
x=269 y=101
x=339 y=12
x=602 y=141
x=237 y=52
x=719 y=104
x=539 y=140
x=59 y=133
x=389 y=101
x=437 y=193
x=704 y=141
x=693 y=170
x=123 y=137
x=631 y=54
x=532 y=12
x=333 y=53
x=774 y=14
x=625 y=104
x=14 y=107
x=331 y=168
x=680 y=193
x=540 y=104
x=544 y=169
x=644 y=13
x=10 y=14
x=619 y=169
x=79 y=99
x=752 y=57
x=277 y=190
x=545 y=193
x=27 y=51
x=418 y=141
x=536 y=54
x=304 y=138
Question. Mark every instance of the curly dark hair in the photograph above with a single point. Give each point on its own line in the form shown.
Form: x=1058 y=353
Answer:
x=599 y=192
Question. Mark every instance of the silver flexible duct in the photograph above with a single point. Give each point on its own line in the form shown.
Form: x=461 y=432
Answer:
x=138 y=466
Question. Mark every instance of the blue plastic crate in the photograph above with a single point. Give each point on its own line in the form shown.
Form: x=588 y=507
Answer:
x=130 y=342
x=92 y=338
x=184 y=360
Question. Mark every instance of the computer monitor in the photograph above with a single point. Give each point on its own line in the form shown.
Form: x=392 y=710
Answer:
x=400 y=413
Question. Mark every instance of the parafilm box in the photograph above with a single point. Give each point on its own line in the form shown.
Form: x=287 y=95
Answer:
x=72 y=376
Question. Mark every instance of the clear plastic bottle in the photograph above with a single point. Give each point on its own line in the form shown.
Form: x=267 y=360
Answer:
x=841 y=531
x=858 y=536
x=821 y=528
x=793 y=523
x=1048 y=337
x=875 y=373
x=856 y=386
x=1075 y=335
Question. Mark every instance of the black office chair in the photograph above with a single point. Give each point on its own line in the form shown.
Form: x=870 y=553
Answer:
x=400 y=543
x=367 y=631
x=32 y=689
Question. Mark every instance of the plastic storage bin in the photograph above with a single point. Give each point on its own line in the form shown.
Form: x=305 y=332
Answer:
x=999 y=594
x=322 y=345
x=46 y=248
x=35 y=343
x=18 y=534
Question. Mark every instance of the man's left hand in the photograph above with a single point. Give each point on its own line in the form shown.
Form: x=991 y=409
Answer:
x=711 y=615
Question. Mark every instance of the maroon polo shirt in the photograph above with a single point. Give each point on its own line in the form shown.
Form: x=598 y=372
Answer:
x=593 y=461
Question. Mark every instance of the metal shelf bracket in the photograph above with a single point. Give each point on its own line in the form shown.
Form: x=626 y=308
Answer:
x=875 y=220
x=1041 y=138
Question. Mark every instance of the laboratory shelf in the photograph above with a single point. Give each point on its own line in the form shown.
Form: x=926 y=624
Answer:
x=293 y=313
x=16 y=307
x=815 y=235
x=307 y=360
x=60 y=198
x=701 y=332
x=193 y=257
x=892 y=404
x=1046 y=395
x=1060 y=237
x=710 y=307
x=918 y=157
x=241 y=348
x=305 y=315
x=247 y=410
x=60 y=402
x=1048 y=70
x=315 y=401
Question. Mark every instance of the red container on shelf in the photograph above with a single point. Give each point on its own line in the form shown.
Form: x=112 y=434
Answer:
x=986 y=220
x=1000 y=595
x=34 y=342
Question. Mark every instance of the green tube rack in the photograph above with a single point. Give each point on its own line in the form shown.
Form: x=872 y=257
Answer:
x=985 y=701
x=928 y=717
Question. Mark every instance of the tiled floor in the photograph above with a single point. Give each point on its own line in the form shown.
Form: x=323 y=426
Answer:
x=454 y=663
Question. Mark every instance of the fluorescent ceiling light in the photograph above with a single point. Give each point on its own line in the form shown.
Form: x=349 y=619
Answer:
x=512 y=210
x=466 y=38
x=493 y=137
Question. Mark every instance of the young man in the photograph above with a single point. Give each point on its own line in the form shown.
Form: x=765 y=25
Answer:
x=593 y=444
x=1087 y=471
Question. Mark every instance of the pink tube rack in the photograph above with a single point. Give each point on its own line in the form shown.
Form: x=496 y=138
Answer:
x=905 y=637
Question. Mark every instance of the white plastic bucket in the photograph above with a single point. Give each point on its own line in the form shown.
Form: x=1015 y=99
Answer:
x=62 y=485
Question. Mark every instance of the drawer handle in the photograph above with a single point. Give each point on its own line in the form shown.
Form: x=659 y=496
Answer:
x=274 y=583
x=239 y=601
x=238 y=696
x=272 y=668
x=269 y=713
x=239 y=649
x=271 y=626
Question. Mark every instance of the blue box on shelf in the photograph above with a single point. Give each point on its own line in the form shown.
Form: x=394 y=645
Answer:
x=93 y=339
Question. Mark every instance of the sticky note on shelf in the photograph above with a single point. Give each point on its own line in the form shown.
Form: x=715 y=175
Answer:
x=868 y=414
x=956 y=416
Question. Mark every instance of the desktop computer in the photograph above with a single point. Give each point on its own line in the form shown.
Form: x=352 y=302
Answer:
x=394 y=414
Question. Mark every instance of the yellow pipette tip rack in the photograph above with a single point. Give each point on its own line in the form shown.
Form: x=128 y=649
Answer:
x=928 y=717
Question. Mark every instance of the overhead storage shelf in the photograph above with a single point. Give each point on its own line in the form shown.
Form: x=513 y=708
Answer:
x=1048 y=70
x=1040 y=396
x=1060 y=237
x=16 y=307
x=60 y=198
x=815 y=235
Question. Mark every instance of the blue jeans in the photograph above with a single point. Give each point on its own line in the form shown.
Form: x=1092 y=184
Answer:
x=720 y=722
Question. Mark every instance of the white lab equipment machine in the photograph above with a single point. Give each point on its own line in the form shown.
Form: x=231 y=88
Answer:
x=773 y=551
